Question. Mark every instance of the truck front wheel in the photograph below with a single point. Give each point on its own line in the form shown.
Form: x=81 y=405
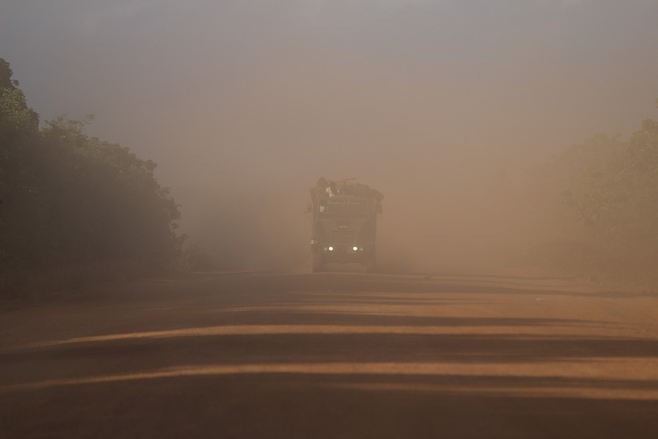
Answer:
x=318 y=263
x=369 y=265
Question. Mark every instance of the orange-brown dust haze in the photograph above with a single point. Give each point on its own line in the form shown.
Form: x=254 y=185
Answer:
x=444 y=106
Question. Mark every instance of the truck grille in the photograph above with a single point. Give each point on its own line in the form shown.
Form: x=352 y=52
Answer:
x=342 y=236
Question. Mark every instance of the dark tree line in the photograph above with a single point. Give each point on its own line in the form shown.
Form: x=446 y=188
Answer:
x=606 y=206
x=69 y=199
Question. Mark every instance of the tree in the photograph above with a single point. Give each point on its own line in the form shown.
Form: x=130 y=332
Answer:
x=612 y=187
x=70 y=199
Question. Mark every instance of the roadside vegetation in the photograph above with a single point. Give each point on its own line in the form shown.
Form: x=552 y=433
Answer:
x=602 y=200
x=75 y=207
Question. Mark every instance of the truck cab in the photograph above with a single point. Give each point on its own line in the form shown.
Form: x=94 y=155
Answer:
x=344 y=225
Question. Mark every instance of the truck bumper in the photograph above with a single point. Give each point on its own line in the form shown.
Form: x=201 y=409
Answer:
x=344 y=253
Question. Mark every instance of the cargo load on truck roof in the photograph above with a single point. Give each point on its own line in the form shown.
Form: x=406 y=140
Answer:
x=346 y=188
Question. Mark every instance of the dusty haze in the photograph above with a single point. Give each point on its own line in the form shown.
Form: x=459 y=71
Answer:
x=444 y=106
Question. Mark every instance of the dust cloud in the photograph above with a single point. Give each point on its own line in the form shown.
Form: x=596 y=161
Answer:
x=446 y=107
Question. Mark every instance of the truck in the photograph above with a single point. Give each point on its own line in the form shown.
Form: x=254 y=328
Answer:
x=344 y=223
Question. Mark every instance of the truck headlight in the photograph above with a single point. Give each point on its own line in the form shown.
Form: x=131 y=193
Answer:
x=330 y=248
x=355 y=248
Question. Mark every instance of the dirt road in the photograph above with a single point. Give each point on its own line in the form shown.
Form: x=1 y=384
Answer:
x=332 y=356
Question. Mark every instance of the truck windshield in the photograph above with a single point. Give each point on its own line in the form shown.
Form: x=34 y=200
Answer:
x=344 y=208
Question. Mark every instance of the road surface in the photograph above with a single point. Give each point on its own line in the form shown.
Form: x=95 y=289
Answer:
x=262 y=355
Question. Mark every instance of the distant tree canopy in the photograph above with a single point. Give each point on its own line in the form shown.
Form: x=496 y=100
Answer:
x=67 y=198
x=609 y=201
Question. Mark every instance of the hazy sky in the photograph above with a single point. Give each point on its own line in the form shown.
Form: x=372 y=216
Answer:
x=405 y=94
